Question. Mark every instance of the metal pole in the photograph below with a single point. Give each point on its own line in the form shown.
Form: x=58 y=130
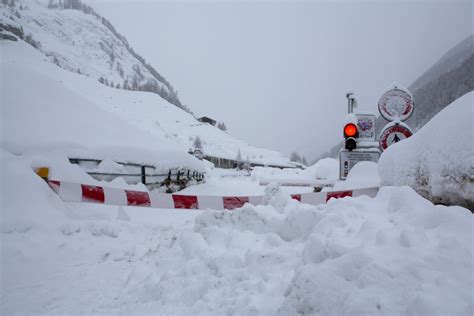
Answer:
x=350 y=100
x=143 y=175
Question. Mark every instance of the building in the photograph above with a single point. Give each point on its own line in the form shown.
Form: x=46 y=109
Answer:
x=207 y=120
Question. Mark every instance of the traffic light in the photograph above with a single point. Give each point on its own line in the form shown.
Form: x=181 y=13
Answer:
x=350 y=134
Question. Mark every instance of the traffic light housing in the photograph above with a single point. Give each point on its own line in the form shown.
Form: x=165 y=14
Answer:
x=350 y=134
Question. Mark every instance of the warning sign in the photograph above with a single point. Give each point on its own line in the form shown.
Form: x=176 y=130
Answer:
x=348 y=159
x=393 y=134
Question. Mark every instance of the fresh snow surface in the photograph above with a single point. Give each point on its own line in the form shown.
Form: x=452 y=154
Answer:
x=438 y=160
x=393 y=254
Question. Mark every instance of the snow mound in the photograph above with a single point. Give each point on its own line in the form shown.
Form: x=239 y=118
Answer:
x=437 y=161
x=327 y=168
x=395 y=254
x=364 y=174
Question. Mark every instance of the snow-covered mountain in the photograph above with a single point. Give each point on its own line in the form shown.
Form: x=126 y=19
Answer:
x=86 y=48
x=447 y=80
x=74 y=37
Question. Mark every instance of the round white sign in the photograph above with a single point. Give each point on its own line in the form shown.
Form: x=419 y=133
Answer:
x=396 y=103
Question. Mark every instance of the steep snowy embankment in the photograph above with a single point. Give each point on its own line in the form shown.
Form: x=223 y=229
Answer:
x=438 y=160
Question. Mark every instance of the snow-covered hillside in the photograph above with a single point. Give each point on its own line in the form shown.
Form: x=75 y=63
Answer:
x=45 y=107
x=74 y=37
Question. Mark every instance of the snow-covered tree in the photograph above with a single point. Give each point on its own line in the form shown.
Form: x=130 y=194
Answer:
x=221 y=126
x=197 y=143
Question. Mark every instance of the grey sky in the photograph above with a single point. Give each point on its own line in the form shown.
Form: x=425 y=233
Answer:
x=277 y=72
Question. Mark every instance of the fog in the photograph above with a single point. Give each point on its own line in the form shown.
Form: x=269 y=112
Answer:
x=276 y=72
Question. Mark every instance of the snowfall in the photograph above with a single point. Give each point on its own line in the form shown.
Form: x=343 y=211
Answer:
x=397 y=253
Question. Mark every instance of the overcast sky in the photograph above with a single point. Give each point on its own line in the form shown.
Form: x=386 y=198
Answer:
x=276 y=72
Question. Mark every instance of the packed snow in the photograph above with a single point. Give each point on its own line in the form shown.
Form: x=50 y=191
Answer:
x=438 y=160
x=393 y=254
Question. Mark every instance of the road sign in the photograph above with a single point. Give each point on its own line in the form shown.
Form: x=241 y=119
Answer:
x=347 y=159
x=396 y=104
x=366 y=127
x=393 y=133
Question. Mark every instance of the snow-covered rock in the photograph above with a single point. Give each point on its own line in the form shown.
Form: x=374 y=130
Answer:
x=438 y=160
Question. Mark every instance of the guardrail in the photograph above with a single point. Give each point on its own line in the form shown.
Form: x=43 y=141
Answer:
x=138 y=173
x=227 y=163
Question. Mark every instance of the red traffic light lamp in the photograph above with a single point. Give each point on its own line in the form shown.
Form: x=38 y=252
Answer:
x=350 y=134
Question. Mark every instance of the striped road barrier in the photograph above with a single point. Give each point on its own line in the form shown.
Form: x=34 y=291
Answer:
x=75 y=192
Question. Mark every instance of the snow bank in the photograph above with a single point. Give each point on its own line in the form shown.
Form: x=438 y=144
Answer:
x=394 y=254
x=438 y=161
x=397 y=254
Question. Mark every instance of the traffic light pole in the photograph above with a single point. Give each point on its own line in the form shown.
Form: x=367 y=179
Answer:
x=350 y=102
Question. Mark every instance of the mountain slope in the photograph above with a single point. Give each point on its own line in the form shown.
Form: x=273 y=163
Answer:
x=64 y=111
x=74 y=37
x=449 y=79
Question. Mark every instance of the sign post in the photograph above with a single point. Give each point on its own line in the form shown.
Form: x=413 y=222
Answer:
x=396 y=105
x=360 y=139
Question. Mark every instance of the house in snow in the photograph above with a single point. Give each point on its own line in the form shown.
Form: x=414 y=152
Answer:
x=207 y=120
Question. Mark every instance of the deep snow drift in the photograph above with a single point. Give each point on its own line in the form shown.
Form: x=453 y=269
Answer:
x=438 y=160
x=396 y=253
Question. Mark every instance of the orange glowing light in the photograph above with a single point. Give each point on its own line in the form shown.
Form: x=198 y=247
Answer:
x=350 y=130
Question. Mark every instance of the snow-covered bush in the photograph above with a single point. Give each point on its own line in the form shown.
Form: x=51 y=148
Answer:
x=438 y=161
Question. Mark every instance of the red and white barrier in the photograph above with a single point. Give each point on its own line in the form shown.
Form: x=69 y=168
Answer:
x=75 y=192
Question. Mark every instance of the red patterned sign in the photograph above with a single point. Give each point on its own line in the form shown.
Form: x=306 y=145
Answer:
x=396 y=103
